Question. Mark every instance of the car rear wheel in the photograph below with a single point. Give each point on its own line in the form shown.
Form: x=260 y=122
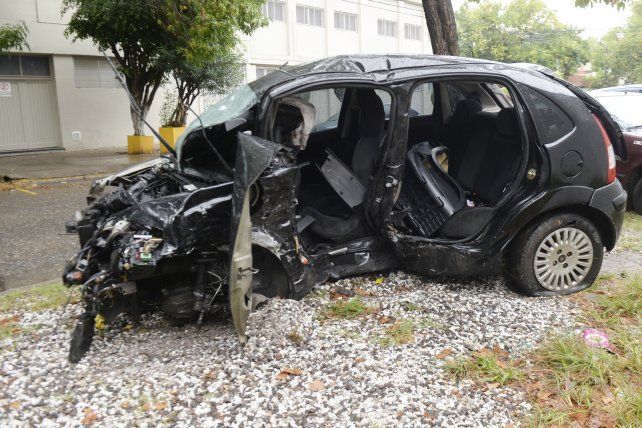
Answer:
x=561 y=254
x=636 y=197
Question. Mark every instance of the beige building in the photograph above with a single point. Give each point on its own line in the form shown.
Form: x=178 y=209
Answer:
x=62 y=95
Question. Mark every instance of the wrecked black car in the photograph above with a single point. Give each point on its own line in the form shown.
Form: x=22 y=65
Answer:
x=350 y=165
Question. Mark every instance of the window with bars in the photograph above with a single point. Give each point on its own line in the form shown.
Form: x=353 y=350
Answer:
x=309 y=15
x=386 y=28
x=274 y=10
x=412 y=32
x=94 y=73
x=345 y=21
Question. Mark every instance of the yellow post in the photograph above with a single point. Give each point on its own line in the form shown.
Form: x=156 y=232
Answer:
x=137 y=144
x=170 y=134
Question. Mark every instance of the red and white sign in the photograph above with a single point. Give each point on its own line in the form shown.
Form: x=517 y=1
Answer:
x=5 y=89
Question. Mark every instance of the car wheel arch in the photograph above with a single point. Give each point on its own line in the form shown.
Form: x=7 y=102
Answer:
x=595 y=216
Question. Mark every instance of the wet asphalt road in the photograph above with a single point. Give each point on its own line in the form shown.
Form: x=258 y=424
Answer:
x=33 y=243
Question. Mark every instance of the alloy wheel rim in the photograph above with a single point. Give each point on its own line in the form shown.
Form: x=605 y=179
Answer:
x=563 y=259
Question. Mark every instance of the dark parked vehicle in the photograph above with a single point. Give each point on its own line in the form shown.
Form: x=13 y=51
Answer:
x=626 y=109
x=501 y=164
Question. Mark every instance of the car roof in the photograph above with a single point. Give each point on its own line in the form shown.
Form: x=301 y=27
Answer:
x=364 y=64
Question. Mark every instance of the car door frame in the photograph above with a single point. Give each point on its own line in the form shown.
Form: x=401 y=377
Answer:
x=477 y=254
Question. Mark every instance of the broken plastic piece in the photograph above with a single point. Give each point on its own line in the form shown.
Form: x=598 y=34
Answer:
x=596 y=338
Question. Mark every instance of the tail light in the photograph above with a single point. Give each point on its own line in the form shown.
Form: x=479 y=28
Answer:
x=610 y=153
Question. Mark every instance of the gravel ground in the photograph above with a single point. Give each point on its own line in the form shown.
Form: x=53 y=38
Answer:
x=299 y=368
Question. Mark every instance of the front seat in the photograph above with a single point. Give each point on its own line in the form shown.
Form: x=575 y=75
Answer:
x=371 y=133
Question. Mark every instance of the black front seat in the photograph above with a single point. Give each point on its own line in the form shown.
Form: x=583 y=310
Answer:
x=371 y=132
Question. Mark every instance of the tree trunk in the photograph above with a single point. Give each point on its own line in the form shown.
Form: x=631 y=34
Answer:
x=440 y=19
x=137 y=122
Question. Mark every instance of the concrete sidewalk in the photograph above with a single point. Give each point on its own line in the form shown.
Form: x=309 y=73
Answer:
x=68 y=164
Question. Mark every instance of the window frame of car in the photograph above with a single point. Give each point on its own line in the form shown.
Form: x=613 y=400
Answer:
x=269 y=103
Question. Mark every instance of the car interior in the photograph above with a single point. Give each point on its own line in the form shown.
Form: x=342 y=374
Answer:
x=464 y=150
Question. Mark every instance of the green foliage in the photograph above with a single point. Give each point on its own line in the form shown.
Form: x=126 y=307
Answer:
x=620 y=4
x=617 y=56
x=521 y=31
x=347 y=309
x=151 y=38
x=13 y=37
x=485 y=366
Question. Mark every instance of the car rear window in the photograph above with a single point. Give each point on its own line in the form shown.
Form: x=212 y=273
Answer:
x=551 y=122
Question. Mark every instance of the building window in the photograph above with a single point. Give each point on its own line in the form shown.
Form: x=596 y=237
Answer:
x=412 y=32
x=262 y=70
x=309 y=15
x=94 y=73
x=24 y=65
x=345 y=21
x=386 y=28
x=274 y=10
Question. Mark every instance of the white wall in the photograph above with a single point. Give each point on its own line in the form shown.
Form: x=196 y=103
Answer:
x=295 y=43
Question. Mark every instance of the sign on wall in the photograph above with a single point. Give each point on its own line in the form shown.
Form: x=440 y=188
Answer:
x=5 y=89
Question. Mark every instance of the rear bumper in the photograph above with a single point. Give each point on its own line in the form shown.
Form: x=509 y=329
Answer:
x=611 y=200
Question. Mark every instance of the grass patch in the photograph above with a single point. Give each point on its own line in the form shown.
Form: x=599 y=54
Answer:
x=35 y=299
x=570 y=382
x=400 y=333
x=9 y=327
x=570 y=359
x=486 y=366
x=348 y=309
x=631 y=236
x=545 y=417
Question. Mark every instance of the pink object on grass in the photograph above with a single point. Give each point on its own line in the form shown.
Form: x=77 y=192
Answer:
x=596 y=338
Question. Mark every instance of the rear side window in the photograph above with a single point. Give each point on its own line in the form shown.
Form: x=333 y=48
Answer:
x=551 y=122
x=422 y=102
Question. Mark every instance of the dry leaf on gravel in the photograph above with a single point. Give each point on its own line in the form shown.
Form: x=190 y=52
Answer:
x=543 y=395
x=359 y=360
x=385 y=320
x=316 y=385
x=287 y=372
x=161 y=405
x=90 y=417
x=444 y=353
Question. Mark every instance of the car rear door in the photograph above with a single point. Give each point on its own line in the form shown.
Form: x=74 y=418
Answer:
x=253 y=156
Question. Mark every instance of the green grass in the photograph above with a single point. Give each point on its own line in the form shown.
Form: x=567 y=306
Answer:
x=568 y=379
x=400 y=333
x=487 y=367
x=628 y=407
x=631 y=236
x=348 y=309
x=570 y=359
x=35 y=299
x=546 y=417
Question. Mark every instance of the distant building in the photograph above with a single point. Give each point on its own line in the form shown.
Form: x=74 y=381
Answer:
x=579 y=78
x=63 y=95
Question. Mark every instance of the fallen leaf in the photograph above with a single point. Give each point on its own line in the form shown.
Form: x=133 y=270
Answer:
x=385 y=320
x=125 y=405
x=90 y=417
x=363 y=293
x=316 y=385
x=493 y=385
x=543 y=395
x=444 y=353
x=286 y=372
x=9 y=320
x=580 y=417
x=378 y=281
x=15 y=405
x=359 y=360
x=161 y=405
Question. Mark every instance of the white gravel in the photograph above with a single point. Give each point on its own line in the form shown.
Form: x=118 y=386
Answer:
x=156 y=374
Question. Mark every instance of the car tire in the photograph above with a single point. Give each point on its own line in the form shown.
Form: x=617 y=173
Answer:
x=636 y=197
x=560 y=254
